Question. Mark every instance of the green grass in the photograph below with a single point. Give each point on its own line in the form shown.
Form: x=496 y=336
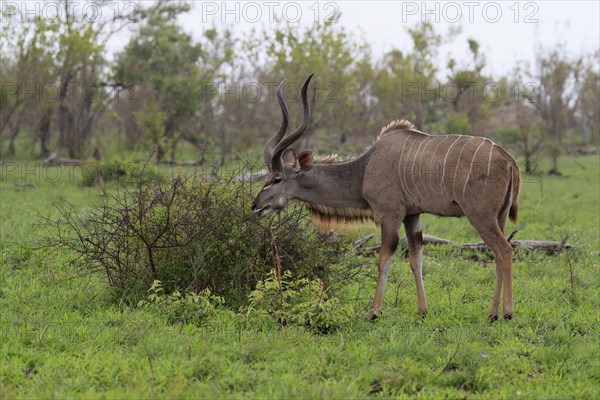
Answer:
x=63 y=333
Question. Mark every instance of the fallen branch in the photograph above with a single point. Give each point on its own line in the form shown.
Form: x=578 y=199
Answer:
x=19 y=186
x=253 y=176
x=360 y=242
x=175 y=163
x=427 y=239
x=55 y=160
x=181 y=163
x=549 y=247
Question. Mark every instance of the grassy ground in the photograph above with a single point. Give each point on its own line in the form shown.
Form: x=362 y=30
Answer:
x=63 y=334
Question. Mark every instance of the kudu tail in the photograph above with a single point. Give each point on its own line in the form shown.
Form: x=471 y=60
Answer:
x=514 y=193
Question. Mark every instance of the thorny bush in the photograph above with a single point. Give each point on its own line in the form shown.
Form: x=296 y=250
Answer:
x=192 y=234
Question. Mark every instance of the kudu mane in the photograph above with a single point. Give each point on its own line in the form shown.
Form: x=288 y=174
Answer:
x=396 y=125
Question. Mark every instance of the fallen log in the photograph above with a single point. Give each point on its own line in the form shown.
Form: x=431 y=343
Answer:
x=181 y=163
x=547 y=246
x=54 y=160
x=360 y=242
x=252 y=176
x=173 y=163
x=427 y=239
x=19 y=186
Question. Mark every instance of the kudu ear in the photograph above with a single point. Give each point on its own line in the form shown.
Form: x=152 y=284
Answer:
x=305 y=159
x=289 y=158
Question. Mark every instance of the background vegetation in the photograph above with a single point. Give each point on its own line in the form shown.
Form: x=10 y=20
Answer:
x=202 y=99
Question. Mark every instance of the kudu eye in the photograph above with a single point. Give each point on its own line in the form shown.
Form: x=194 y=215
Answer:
x=276 y=180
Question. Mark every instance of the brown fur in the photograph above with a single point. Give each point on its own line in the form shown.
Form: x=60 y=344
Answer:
x=325 y=216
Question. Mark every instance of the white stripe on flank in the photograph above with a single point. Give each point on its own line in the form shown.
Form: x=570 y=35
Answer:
x=489 y=161
x=471 y=167
x=446 y=158
x=413 y=166
x=511 y=189
x=400 y=162
x=435 y=160
x=420 y=167
x=402 y=173
x=458 y=166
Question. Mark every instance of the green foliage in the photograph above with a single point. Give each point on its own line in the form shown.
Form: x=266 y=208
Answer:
x=301 y=302
x=405 y=83
x=588 y=100
x=188 y=94
x=191 y=308
x=120 y=171
x=153 y=120
x=163 y=61
x=458 y=124
x=559 y=76
x=341 y=61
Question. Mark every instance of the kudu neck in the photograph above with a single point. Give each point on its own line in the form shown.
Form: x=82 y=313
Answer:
x=337 y=185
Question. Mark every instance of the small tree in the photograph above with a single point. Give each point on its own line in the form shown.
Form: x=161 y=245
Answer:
x=162 y=61
x=559 y=82
x=588 y=101
x=341 y=63
x=404 y=77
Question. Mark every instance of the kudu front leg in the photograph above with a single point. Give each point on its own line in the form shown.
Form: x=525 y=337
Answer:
x=389 y=243
x=414 y=237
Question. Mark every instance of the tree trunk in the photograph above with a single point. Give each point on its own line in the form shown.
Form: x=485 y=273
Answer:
x=167 y=134
x=554 y=170
x=16 y=128
x=223 y=142
x=44 y=133
x=529 y=166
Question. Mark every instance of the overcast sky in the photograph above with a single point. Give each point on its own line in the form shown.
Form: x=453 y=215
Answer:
x=506 y=30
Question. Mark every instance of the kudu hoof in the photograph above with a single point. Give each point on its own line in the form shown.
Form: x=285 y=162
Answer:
x=374 y=314
x=507 y=317
x=493 y=318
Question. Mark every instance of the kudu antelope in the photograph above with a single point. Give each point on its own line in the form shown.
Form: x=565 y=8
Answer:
x=404 y=174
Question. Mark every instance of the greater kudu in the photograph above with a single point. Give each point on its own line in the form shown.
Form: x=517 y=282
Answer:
x=403 y=174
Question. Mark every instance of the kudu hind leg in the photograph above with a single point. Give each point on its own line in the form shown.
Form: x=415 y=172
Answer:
x=414 y=237
x=389 y=243
x=492 y=235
